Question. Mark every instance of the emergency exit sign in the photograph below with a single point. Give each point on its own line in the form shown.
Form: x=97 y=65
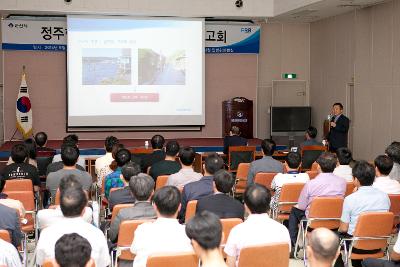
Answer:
x=289 y=76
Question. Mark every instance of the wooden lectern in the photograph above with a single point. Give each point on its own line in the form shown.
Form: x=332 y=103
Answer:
x=238 y=111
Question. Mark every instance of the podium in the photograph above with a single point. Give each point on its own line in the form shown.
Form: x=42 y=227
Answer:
x=238 y=111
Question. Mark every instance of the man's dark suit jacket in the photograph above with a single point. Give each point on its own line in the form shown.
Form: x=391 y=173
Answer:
x=338 y=135
x=150 y=159
x=222 y=205
x=120 y=196
x=195 y=191
x=233 y=140
x=9 y=221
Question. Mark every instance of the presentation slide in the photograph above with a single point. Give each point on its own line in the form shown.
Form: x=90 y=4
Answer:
x=125 y=71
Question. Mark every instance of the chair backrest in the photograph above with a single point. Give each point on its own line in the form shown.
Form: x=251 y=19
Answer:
x=227 y=225
x=126 y=234
x=28 y=200
x=173 y=260
x=275 y=254
x=5 y=235
x=190 y=209
x=264 y=178
x=373 y=224
x=161 y=181
x=140 y=151
x=18 y=185
x=323 y=208
x=42 y=163
x=395 y=204
x=241 y=177
x=240 y=154
x=349 y=188
x=289 y=193
x=117 y=208
x=312 y=174
x=53 y=263
x=309 y=155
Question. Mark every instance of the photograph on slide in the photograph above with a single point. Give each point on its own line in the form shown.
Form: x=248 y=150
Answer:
x=156 y=67
x=106 y=66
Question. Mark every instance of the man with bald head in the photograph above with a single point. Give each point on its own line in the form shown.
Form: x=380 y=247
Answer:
x=322 y=248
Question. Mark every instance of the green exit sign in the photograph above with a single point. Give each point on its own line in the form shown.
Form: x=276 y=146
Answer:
x=289 y=76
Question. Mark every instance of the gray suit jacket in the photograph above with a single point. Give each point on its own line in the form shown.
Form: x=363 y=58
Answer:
x=141 y=210
x=266 y=164
x=9 y=220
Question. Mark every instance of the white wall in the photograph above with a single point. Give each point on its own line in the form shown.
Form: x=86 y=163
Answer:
x=184 y=8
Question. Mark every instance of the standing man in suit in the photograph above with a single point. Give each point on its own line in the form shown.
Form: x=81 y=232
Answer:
x=339 y=127
x=234 y=139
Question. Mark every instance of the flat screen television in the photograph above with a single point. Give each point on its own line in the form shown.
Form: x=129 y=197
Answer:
x=290 y=121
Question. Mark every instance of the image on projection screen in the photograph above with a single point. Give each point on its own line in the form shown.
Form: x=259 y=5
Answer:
x=107 y=66
x=135 y=72
x=158 y=68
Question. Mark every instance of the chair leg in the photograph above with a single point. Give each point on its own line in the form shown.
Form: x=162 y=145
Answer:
x=299 y=233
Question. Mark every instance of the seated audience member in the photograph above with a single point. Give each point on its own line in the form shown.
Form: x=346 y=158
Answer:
x=220 y=203
x=106 y=160
x=41 y=142
x=258 y=228
x=202 y=187
x=58 y=164
x=72 y=202
x=11 y=203
x=71 y=140
x=266 y=164
x=383 y=166
x=365 y=199
x=322 y=247
x=124 y=195
x=114 y=179
x=69 y=155
x=106 y=170
x=164 y=235
x=326 y=184
x=73 y=250
x=292 y=163
x=234 y=139
x=168 y=165
x=394 y=258
x=157 y=143
x=9 y=255
x=344 y=169
x=142 y=187
x=393 y=151
x=19 y=169
x=31 y=152
x=186 y=174
x=310 y=136
x=52 y=215
x=9 y=220
x=205 y=232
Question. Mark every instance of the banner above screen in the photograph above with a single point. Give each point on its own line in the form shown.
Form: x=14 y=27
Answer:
x=51 y=35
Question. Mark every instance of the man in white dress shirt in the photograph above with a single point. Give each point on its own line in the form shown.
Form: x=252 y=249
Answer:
x=393 y=151
x=343 y=169
x=186 y=174
x=106 y=160
x=164 y=235
x=258 y=229
x=383 y=166
x=72 y=202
